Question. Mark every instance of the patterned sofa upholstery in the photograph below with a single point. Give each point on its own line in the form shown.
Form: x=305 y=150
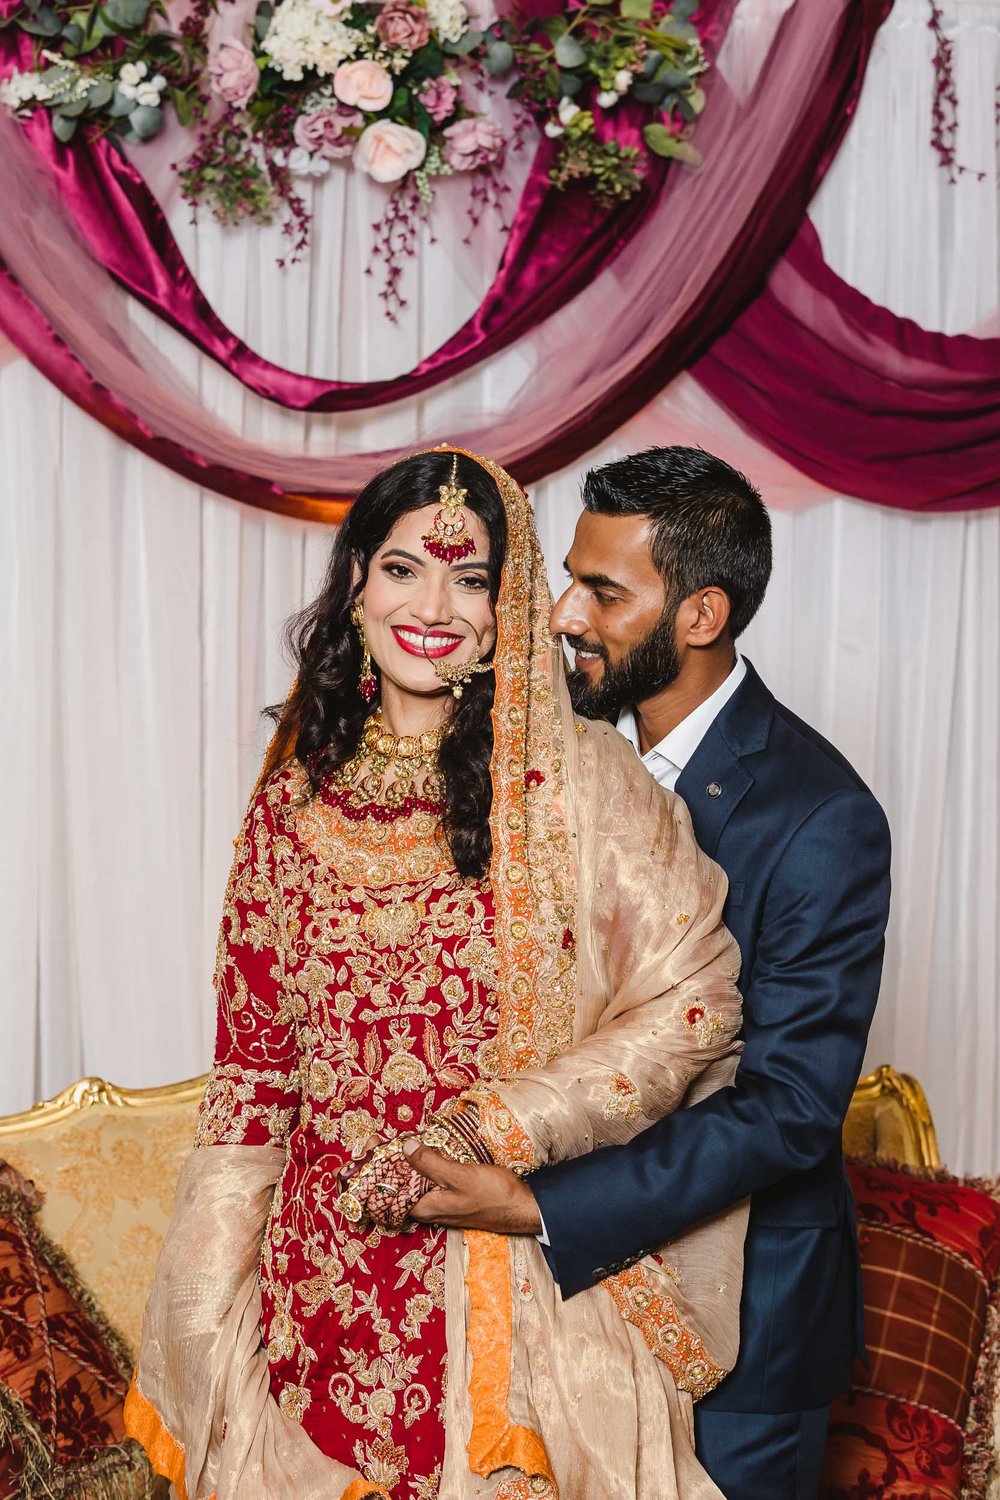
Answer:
x=107 y=1158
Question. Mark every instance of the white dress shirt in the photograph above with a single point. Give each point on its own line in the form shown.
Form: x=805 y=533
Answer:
x=667 y=760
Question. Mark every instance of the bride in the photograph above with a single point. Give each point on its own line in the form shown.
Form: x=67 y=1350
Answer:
x=455 y=913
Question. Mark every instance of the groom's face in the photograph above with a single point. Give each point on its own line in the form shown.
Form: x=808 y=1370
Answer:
x=614 y=616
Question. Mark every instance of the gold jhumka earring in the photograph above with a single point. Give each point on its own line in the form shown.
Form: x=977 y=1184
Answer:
x=449 y=537
x=367 y=684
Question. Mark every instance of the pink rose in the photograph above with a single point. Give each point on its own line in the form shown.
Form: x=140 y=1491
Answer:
x=363 y=85
x=438 y=97
x=472 y=143
x=400 y=24
x=481 y=13
x=322 y=132
x=233 y=73
x=387 y=151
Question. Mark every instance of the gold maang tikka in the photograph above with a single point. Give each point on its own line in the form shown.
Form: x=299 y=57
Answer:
x=449 y=537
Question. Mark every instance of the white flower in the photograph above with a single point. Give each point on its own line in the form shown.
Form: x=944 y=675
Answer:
x=568 y=111
x=553 y=130
x=607 y=98
x=23 y=88
x=148 y=94
x=300 y=37
x=132 y=74
x=449 y=18
x=331 y=8
x=302 y=164
x=623 y=80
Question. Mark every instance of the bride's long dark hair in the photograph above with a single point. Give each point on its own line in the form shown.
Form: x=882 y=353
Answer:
x=325 y=713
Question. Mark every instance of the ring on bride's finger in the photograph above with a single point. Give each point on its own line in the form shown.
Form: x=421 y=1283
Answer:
x=351 y=1207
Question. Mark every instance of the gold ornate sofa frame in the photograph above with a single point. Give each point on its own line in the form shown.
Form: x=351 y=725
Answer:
x=107 y=1158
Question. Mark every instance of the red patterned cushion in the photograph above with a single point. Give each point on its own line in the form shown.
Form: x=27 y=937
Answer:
x=917 y=1424
x=63 y=1371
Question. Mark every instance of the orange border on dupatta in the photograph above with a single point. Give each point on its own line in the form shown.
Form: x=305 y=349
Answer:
x=144 y=1423
x=535 y=946
x=496 y=1442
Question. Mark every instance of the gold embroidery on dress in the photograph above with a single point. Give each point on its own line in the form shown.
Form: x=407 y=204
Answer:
x=375 y=935
x=623 y=1101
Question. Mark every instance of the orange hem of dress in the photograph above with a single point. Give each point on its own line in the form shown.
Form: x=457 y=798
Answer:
x=495 y=1442
x=144 y=1423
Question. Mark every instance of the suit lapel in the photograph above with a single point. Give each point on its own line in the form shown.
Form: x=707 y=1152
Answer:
x=715 y=779
x=713 y=784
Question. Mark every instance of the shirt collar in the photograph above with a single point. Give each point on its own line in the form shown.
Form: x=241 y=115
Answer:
x=679 y=745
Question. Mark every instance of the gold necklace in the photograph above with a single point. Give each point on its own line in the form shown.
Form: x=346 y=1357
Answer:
x=391 y=776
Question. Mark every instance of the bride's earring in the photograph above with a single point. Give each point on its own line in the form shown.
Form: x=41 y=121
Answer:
x=459 y=675
x=367 y=684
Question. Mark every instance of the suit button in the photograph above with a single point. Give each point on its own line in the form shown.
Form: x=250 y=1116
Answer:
x=714 y=789
x=599 y=1273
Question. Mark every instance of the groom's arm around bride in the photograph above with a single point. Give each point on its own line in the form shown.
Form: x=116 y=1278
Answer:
x=670 y=561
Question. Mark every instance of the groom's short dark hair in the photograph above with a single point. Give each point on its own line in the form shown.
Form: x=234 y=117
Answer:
x=709 y=523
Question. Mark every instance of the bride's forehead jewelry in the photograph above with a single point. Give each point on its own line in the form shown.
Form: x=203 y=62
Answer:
x=449 y=537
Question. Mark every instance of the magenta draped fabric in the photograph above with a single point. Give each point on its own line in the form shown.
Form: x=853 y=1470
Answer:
x=557 y=244
x=865 y=402
x=701 y=253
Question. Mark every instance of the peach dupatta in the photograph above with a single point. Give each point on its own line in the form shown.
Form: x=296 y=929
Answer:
x=617 y=1005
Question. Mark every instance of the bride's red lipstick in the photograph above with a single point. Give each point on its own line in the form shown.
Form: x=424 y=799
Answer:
x=428 y=652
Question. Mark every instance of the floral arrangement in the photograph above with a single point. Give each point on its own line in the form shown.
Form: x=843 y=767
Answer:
x=376 y=83
x=577 y=65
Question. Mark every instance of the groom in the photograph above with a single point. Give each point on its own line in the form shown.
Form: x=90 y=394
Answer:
x=669 y=564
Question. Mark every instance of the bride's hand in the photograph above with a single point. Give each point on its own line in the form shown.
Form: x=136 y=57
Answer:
x=383 y=1184
x=357 y=1163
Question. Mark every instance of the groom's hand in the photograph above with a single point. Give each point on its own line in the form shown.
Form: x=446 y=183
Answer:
x=472 y=1196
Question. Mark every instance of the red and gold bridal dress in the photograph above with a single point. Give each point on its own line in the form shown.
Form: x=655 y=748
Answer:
x=356 y=983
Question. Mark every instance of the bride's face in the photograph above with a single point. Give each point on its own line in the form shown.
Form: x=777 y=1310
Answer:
x=419 y=610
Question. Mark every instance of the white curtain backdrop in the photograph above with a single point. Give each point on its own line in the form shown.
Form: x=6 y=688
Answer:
x=142 y=616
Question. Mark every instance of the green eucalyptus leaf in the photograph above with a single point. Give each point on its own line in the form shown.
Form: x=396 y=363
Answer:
x=46 y=23
x=680 y=31
x=696 y=99
x=73 y=37
x=569 y=53
x=660 y=141
x=499 y=58
x=100 y=93
x=146 y=121
x=671 y=75
x=684 y=9
x=120 y=106
x=73 y=108
x=637 y=10
x=648 y=93
x=685 y=110
x=554 y=26
x=570 y=84
x=183 y=106
x=63 y=128
x=134 y=11
x=466 y=44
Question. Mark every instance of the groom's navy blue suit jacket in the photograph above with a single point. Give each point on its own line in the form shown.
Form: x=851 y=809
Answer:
x=806 y=849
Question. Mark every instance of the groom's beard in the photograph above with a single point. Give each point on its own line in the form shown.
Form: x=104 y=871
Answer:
x=646 y=669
